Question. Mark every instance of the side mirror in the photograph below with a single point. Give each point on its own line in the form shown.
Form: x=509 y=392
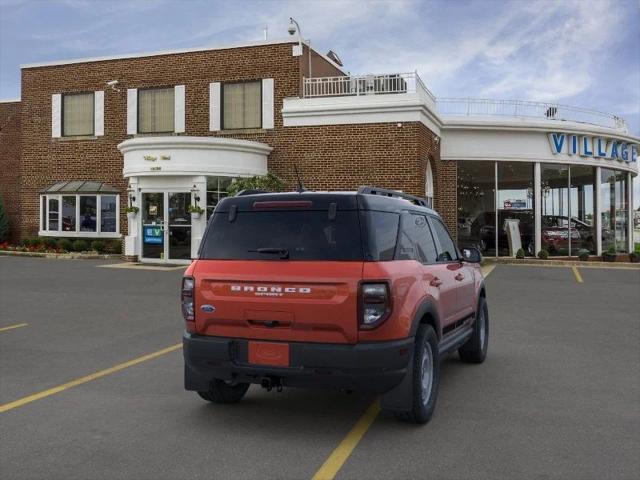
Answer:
x=471 y=255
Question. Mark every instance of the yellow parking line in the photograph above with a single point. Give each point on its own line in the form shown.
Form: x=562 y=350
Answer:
x=334 y=463
x=79 y=381
x=11 y=327
x=487 y=269
x=339 y=456
x=577 y=274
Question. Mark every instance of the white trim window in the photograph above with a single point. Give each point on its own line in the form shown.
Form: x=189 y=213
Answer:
x=242 y=105
x=216 y=190
x=156 y=110
x=428 y=185
x=77 y=114
x=84 y=215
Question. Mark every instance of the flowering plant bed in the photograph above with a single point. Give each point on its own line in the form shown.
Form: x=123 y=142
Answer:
x=63 y=255
x=51 y=246
x=6 y=246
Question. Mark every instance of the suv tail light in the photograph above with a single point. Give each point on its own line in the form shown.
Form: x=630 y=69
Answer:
x=187 y=298
x=375 y=304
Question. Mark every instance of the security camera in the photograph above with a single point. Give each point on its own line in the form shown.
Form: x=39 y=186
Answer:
x=292 y=28
x=112 y=84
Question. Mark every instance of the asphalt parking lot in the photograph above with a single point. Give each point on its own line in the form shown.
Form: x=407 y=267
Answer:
x=558 y=397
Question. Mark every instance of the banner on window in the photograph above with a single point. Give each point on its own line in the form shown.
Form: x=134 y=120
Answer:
x=153 y=235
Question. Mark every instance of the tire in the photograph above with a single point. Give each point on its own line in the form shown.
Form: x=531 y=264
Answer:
x=426 y=377
x=223 y=392
x=475 y=349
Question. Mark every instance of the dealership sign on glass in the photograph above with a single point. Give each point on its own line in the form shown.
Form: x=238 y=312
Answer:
x=588 y=146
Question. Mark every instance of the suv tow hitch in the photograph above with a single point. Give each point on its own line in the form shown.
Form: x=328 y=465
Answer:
x=269 y=383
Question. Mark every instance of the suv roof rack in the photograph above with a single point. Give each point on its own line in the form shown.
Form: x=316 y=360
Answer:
x=366 y=190
x=250 y=191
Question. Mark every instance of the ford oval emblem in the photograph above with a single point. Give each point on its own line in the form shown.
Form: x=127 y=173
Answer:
x=208 y=308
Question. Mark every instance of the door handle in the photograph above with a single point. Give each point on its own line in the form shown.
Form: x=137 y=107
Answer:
x=435 y=282
x=459 y=277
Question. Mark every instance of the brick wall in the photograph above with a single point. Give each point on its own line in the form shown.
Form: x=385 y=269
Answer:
x=10 y=163
x=445 y=176
x=47 y=160
x=336 y=157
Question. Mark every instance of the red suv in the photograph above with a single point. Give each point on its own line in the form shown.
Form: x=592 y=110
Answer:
x=353 y=290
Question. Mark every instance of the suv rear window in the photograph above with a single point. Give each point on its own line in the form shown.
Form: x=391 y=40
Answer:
x=265 y=235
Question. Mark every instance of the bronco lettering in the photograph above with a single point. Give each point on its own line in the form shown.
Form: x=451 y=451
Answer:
x=269 y=289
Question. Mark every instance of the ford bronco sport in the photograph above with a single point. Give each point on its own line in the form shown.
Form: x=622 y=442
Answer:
x=352 y=290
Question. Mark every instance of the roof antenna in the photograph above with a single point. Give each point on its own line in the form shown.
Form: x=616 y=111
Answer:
x=300 y=184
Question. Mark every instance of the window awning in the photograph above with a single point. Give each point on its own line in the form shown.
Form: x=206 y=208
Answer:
x=80 y=186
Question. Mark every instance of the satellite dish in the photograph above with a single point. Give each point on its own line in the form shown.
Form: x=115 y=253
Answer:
x=334 y=57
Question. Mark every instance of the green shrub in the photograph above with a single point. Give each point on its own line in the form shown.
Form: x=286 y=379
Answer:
x=114 y=246
x=65 y=244
x=520 y=253
x=268 y=182
x=543 y=254
x=47 y=242
x=98 y=246
x=583 y=254
x=80 y=246
x=634 y=257
x=4 y=223
x=610 y=255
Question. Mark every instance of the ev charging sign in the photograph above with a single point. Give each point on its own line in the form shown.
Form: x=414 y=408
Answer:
x=596 y=147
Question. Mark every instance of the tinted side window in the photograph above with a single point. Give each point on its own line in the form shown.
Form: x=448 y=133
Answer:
x=447 y=252
x=426 y=245
x=381 y=233
x=416 y=242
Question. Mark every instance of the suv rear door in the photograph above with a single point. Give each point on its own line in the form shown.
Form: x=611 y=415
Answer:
x=416 y=243
x=460 y=276
x=280 y=271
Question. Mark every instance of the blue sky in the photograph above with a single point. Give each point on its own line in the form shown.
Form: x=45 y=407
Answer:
x=578 y=52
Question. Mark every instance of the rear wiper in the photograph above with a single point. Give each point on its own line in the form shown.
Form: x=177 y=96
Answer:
x=283 y=252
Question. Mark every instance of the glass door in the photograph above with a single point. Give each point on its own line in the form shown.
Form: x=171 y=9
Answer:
x=166 y=226
x=179 y=244
x=153 y=227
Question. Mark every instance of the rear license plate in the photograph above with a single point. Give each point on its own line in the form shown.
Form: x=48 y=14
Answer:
x=269 y=353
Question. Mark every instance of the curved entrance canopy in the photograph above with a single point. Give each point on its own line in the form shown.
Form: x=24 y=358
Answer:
x=177 y=155
x=175 y=183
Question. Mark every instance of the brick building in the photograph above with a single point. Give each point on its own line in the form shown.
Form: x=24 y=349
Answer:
x=168 y=130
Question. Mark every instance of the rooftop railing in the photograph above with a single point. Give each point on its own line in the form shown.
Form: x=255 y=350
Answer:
x=479 y=107
x=399 y=83
x=356 y=85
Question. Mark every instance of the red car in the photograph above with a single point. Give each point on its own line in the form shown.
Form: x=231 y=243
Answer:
x=555 y=235
x=355 y=290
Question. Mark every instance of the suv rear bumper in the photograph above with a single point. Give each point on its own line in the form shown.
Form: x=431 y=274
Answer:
x=372 y=366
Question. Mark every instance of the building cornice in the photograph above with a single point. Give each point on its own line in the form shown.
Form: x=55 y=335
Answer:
x=158 y=53
x=408 y=107
x=520 y=125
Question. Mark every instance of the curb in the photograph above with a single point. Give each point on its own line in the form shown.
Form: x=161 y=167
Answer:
x=64 y=256
x=561 y=263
